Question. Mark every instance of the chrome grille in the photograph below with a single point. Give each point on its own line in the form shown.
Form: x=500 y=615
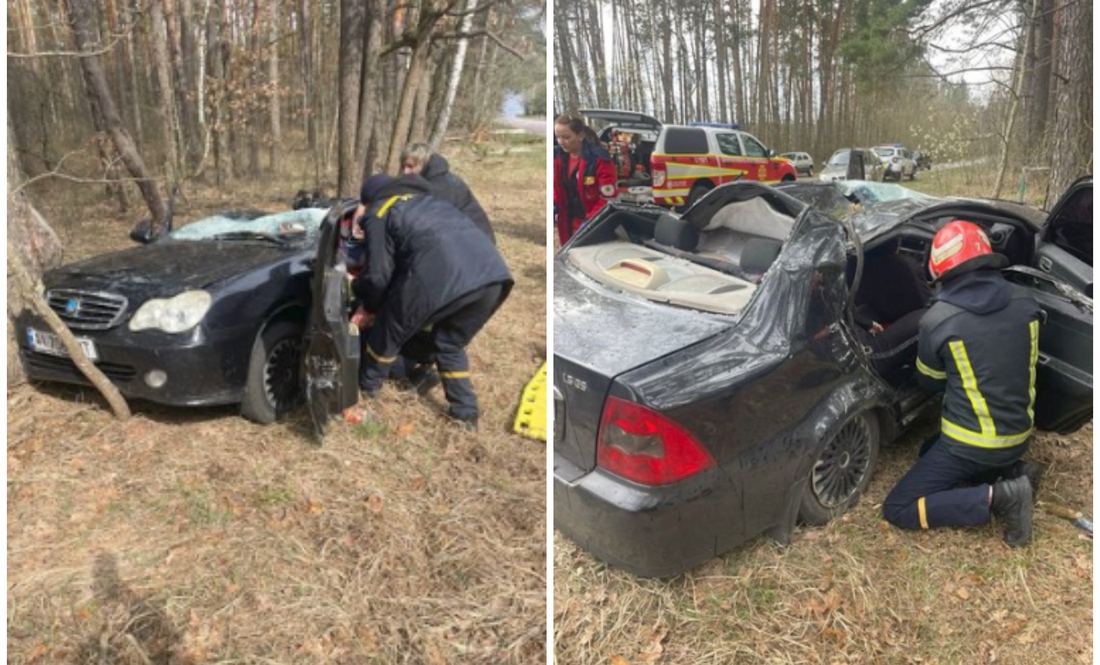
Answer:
x=87 y=310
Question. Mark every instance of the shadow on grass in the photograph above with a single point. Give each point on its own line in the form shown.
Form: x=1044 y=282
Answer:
x=140 y=632
x=536 y=235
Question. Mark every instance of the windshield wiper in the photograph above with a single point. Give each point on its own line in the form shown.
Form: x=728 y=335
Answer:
x=249 y=235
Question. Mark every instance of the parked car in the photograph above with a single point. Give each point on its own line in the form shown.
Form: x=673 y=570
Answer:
x=710 y=383
x=215 y=312
x=853 y=164
x=802 y=162
x=897 y=161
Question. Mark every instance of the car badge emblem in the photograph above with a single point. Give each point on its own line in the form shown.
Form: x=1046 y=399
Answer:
x=72 y=306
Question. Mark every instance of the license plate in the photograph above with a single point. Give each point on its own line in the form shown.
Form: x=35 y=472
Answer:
x=44 y=342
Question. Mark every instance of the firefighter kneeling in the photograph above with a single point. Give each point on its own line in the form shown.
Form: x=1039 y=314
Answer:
x=979 y=343
x=432 y=279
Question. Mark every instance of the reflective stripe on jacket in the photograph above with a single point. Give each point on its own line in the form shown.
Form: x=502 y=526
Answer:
x=985 y=363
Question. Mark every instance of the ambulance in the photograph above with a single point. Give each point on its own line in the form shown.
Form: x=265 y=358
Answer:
x=690 y=160
x=675 y=165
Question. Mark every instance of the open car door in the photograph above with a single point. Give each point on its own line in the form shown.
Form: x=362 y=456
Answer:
x=1064 y=246
x=1063 y=382
x=330 y=363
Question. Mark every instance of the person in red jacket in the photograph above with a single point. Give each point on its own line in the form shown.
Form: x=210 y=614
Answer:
x=584 y=175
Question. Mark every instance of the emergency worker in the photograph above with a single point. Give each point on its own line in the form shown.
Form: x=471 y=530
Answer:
x=418 y=158
x=584 y=175
x=979 y=343
x=432 y=279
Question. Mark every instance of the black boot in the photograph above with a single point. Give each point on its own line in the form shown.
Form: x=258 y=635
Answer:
x=421 y=378
x=1034 y=473
x=1012 y=504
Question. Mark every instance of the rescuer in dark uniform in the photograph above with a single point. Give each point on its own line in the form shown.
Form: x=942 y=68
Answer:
x=418 y=158
x=979 y=343
x=432 y=279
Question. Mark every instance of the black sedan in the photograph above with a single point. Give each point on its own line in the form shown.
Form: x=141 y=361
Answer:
x=711 y=382
x=215 y=312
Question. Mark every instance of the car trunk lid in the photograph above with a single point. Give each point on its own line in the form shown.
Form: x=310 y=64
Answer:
x=598 y=335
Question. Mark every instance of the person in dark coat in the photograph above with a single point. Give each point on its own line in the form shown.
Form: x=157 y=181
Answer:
x=979 y=343
x=418 y=158
x=432 y=279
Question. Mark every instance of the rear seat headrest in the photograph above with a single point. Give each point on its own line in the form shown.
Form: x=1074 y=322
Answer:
x=675 y=232
x=759 y=254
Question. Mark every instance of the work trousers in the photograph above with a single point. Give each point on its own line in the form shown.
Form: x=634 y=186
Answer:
x=929 y=494
x=441 y=341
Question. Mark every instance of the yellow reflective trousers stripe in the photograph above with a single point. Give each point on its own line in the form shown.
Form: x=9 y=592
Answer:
x=922 y=512
x=454 y=375
x=970 y=385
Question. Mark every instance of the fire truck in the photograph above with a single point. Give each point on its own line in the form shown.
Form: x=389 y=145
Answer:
x=675 y=165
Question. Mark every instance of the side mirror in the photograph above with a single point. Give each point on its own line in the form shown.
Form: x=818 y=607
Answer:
x=769 y=152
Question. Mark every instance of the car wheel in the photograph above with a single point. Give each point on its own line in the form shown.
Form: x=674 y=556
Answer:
x=810 y=172
x=912 y=174
x=697 y=192
x=274 y=387
x=842 y=470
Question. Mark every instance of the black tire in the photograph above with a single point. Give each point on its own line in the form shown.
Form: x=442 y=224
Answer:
x=787 y=178
x=913 y=174
x=274 y=386
x=697 y=192
x=810 y=172
x=842 y=470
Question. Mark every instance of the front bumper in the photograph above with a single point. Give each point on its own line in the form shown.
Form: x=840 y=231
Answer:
x=203 y=367
x=648 y=531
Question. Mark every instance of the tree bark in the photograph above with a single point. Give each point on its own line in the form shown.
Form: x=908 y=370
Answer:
x=351 y=62
x=99 y=94
x=1071 y=144
x=444 y=120
x=274 y=107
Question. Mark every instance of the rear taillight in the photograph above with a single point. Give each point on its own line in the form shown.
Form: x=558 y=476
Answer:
x=658 y=175
x=643 y=446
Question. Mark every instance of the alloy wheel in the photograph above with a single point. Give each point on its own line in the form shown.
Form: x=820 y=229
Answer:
x=281 y=374
x=843 y=465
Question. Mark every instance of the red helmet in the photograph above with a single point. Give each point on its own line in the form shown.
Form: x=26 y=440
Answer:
x=959 y=243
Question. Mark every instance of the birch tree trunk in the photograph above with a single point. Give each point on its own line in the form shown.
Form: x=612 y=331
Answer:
x=444 y=120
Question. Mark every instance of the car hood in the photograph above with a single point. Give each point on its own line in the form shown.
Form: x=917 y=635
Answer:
x=611 y=332
x=165 y=268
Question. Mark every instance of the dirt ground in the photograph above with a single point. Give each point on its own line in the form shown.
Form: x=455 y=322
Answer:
x=856 y=590
x=194 y=536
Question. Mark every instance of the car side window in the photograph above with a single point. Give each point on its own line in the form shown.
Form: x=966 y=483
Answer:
x=753 y=148
x=686 y=141
x=729 y=145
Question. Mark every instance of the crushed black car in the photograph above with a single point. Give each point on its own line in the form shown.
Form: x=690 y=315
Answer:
x=711 y=382
x=223 y=310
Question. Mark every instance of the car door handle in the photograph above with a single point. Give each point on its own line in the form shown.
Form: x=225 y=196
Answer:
x=1045 y=263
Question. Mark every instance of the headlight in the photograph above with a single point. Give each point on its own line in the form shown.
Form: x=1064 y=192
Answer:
x=172 y=315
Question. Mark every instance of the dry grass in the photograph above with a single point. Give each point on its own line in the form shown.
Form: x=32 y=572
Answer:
x=857 y=590
x=193 y=536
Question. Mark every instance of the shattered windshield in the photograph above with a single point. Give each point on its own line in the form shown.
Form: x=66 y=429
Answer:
x=867 y=192
x=293 y=227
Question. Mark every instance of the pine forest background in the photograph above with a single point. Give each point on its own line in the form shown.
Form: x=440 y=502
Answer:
x=817 y=75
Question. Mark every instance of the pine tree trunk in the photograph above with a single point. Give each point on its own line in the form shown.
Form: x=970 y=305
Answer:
x=1072 y=136
x=351 y=63
x=99 y=94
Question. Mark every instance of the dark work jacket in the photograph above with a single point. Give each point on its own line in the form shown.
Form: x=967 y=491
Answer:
x=979 y=343
x=451 y=188
x=422 y=253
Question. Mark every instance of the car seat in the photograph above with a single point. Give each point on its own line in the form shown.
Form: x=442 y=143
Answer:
x=757 y=256
x=675 y=232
